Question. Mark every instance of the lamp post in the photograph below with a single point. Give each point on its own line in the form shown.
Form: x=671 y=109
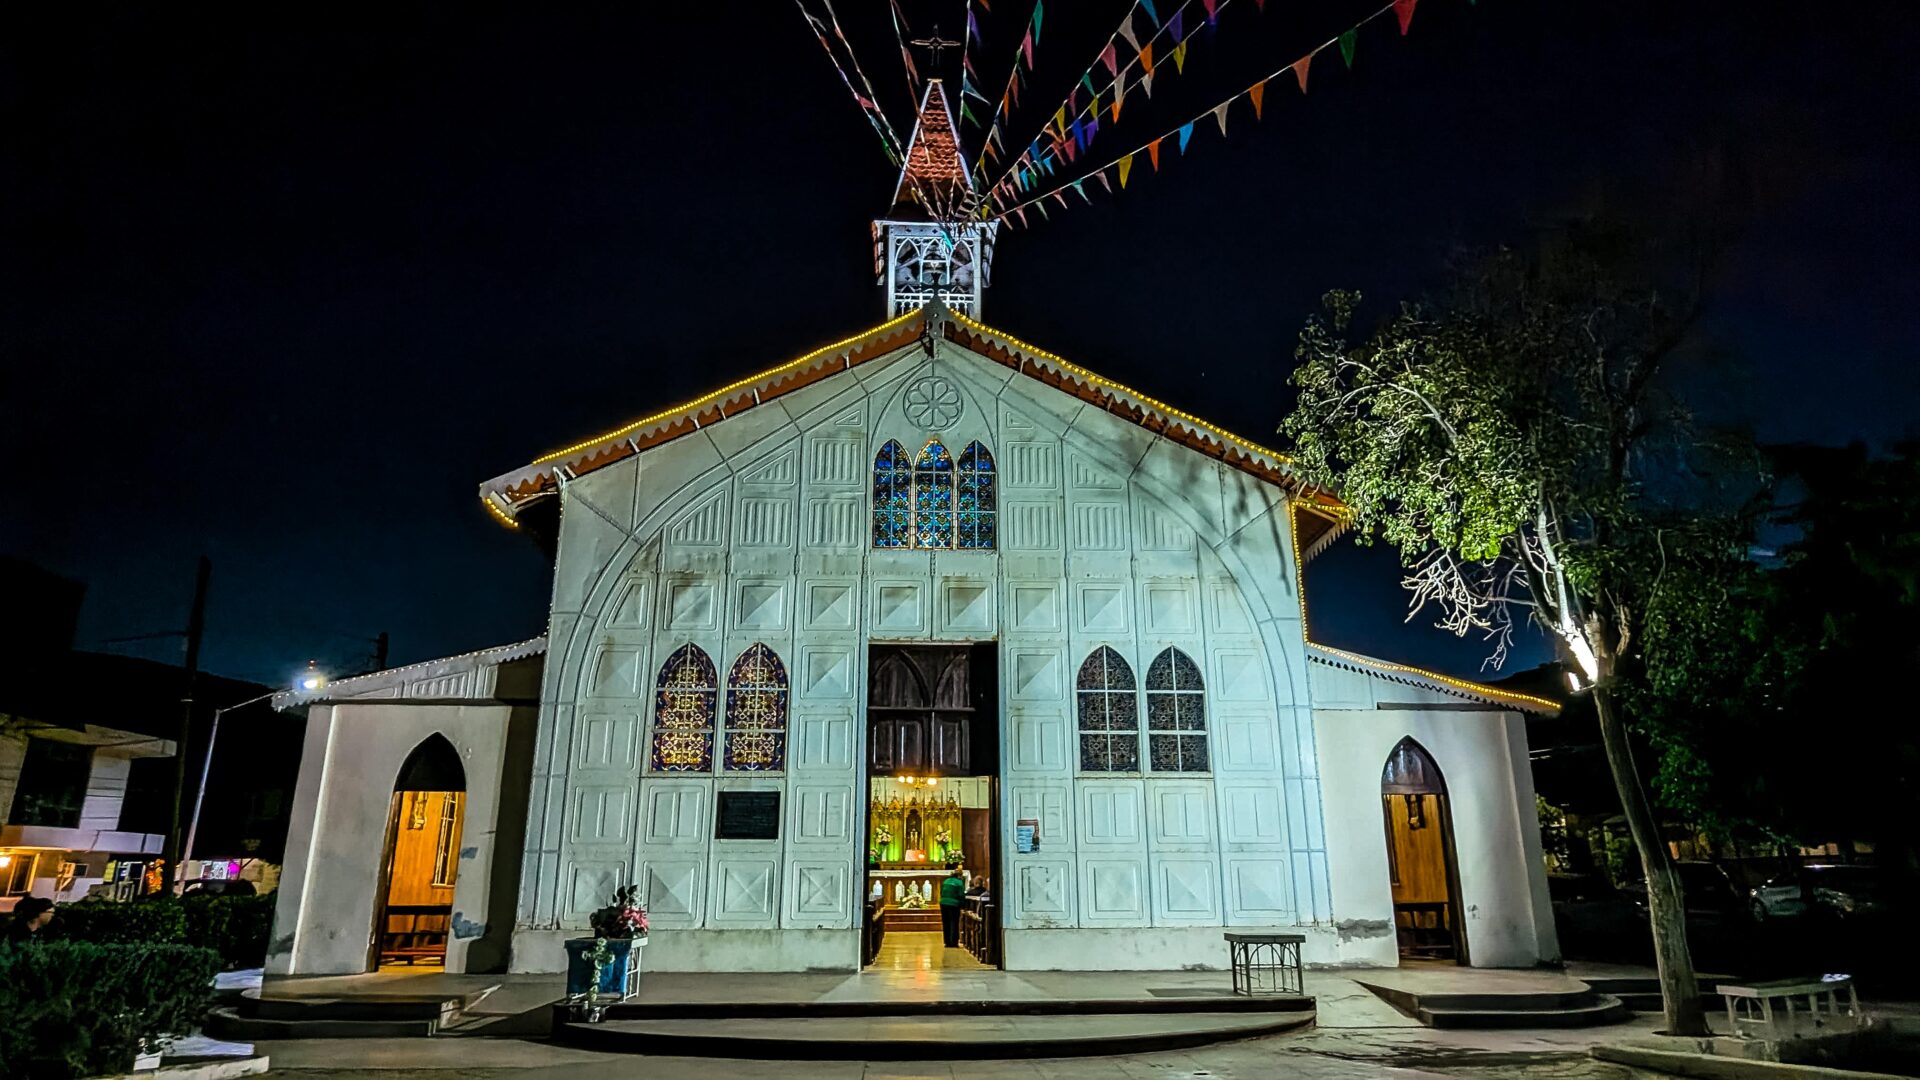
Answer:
x=309 y=681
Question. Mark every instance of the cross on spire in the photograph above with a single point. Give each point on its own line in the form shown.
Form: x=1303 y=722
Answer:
x=934 y=44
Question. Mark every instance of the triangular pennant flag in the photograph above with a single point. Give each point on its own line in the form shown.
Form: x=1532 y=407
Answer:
x=1072 y=150
x=1126 y=166
x=1258 y=92
x=1146 y=58
x=1040 y=204
x=1348 y=41
x=1147 y=6
x=1213 y=10
x=1086 y=80
x=1146 y=83
x=1023 y=216
x=1081 y=191
x=1026 y=46
x=966 y=114
x=1153 y=153
x=1126 y=31
x=1037 y=12
x=1300 y=70
x=1220 y=114
x=1403 y=10
x=1176 y=25
x=1060 y=121
x=1261 y=5
x=1180 y=57
x=1104 y=182
x=1186 y=133
x=1079 y=133
x=1093 y=107
x=973 y=25
x=1111 y=57
x=1119 y=95
x=966 y=65
x=1092 y=125
x=1056 y=194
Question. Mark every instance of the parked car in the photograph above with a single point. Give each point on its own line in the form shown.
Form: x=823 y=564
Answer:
x=1839 y=891
x=218 y=887
x=1709 y=893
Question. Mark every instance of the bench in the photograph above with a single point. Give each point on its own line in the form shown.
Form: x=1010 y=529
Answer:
x=1767 y=1010
x=1266 y=963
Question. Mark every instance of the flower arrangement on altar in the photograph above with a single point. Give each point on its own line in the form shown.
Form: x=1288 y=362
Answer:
x=624 y=918
x=943 y=837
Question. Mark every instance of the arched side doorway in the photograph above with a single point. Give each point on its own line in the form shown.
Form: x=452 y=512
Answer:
x=1420 y=857
x=414 y=910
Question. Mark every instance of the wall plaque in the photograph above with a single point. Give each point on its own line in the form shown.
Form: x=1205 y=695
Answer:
x=747 y=815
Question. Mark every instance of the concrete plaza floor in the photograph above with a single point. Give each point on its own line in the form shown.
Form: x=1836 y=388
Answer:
x=1356 y=1035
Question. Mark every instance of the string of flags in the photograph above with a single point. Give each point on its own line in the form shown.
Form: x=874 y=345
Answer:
x=1010 y=96
x=1072 y=127
x=889 y=141
x=1121 y=168
x=901 y=29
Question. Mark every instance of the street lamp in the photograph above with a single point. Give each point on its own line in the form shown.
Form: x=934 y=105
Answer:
x=310 y=680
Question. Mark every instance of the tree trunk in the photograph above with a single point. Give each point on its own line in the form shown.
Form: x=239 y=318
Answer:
x=1666 y=907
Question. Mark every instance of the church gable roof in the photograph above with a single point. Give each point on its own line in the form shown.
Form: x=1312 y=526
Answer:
x=507 y=494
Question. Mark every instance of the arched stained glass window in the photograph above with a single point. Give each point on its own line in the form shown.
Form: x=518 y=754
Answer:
x=975 y=499
x=683 y=705
x=892 y=497
x=1109 y=714
x=933 y=497
x=928 y=500
x=756 y=712
x=1176 y=714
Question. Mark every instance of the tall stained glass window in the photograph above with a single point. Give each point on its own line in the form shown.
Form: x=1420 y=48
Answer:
x=683 y=706
x=974 y=499
x=892 y=497
x=1176 y=714
x=1109 y=714
x=933 y=497
x=756 y=726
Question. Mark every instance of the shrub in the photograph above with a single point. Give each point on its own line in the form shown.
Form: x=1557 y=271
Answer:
x=150 y=920
x=235 y=927
x=78 y=1008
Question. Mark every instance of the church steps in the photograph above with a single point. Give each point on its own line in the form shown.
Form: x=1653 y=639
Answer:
x=930 y=1037
x=1569 y=1008
x=780 y=1010
x=227 y=1023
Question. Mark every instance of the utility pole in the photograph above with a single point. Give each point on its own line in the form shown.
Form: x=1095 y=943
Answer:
x=196 y=623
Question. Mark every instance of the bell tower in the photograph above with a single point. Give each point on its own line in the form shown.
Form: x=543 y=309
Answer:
x=932 y=244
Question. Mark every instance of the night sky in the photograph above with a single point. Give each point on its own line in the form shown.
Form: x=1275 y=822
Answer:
x=285 y=293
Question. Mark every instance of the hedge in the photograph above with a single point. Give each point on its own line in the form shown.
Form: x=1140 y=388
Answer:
x=78 y=1008
x=235 y=927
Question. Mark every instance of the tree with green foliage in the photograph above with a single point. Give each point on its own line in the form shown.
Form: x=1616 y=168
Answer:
x=1515 y=441
x=1757 y=656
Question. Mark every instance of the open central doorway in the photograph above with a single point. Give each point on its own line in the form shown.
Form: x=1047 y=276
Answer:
x=932 y=895
x=414 y=914
x=1420 y=857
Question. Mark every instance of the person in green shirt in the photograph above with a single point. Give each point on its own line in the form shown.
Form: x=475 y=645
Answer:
x=952 y=888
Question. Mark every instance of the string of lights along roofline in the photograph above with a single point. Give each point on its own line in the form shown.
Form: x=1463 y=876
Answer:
x=1079 y=129
x=1347 y=41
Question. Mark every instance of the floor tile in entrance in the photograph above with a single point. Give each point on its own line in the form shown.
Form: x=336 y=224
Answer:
x=911 y=951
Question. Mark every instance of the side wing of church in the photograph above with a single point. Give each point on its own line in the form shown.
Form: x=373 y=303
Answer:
x=931 y=596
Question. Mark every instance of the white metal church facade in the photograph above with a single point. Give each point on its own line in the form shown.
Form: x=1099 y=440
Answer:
x=752 y=522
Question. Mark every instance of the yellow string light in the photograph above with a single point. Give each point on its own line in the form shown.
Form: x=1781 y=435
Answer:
x=498 y=513
x=730 y=388
x=1101 y=380
x=1300 y=590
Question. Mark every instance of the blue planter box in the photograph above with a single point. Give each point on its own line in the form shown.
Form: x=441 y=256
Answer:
x=620 y=979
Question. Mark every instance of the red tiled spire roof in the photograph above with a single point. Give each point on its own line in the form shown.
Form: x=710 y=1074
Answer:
x=933 y=169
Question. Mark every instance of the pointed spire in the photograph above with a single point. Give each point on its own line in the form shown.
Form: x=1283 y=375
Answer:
x=933 y=170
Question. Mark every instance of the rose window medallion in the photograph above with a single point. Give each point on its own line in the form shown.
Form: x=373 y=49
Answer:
x=933 y=403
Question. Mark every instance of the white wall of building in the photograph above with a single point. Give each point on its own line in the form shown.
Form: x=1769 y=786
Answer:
x=330 y=882
x=757 y=529
x=1482 y=753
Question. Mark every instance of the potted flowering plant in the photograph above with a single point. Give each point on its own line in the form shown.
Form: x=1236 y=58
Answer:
x=608 y=963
